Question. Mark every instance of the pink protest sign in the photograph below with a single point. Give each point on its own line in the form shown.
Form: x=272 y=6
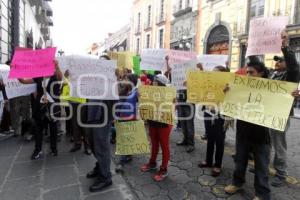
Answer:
x=176 y=57
x=33 y=64
x=265 y=35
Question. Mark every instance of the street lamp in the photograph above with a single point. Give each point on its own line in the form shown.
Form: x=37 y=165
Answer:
x=184 y=43
x=60 y=52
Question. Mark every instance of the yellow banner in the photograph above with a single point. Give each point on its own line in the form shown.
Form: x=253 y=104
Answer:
x=157 y=103
x=259 y=101
x=131 y=138
x=206 y=87
x=124 y=59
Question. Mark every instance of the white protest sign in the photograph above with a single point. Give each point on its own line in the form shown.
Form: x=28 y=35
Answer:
x=92 y=78
x=13 y=87
x=176 y=56
x=209 y=62
x=265 y=35
x=153 y=59
x=179 y=73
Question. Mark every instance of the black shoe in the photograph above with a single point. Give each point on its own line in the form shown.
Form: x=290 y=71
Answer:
x=36 y=154
x=204 y=137
x=92 y=174
x=100 y=185
x=182 y=143
x=190 y=149
x=278 y=181
x=75 y=148
x=87 y=152
x=54 y=153
x=119 y=168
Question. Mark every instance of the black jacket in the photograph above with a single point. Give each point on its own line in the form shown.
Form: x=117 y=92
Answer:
x=291 y=74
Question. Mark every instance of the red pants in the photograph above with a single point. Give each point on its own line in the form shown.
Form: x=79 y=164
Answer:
x=160 y=136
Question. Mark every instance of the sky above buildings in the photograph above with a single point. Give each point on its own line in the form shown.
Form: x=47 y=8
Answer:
x=80 y=23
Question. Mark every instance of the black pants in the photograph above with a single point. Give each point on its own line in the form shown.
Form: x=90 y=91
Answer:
x=187 y=125
x=215 y=140
x=261 y=160
x=68 y=122
x=41 y=125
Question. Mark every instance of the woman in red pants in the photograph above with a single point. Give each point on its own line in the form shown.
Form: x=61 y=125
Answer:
x=159 y=135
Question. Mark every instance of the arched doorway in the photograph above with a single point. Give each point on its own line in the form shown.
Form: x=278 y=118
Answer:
x=218 y=41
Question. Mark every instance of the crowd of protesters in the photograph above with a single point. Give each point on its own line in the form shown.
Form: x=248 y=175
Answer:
x=36 y=115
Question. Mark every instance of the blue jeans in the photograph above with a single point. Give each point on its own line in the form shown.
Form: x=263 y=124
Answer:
x=101 y=141
x=262 y=161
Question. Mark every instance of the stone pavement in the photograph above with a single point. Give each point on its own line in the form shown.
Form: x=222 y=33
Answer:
x=51 y=178
x=187 y=181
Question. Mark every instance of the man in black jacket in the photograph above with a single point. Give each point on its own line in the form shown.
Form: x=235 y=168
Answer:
x=286 y=69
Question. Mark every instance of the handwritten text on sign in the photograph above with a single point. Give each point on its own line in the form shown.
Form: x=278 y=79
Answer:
x=179 y=73
x=32 y=64
x=131 y=138
x=207 y=87
x=176 y=57
x=153 y=59
x=209 y=62
x=91 y=78
x=13 y=87
x=156 y=103
x=259 y=101
x=265 y=35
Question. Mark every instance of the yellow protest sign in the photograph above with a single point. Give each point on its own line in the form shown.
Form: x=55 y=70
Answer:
x=124 y=59
x=131 y=138
x=206 y=87
x=259 y=101
x=157 y=103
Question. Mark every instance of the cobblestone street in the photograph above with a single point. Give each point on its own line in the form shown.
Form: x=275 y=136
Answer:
x=187 y=181
x=63 y=177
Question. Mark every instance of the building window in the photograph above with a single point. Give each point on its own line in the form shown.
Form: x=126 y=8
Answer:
x=180 y=4
x=162 y=10
x=257 y=8
x=148 y=41
x=297 y=14
x=149 y=16
x=139 y=22
x=137 y=45
x=187 y=3
x=161 y=38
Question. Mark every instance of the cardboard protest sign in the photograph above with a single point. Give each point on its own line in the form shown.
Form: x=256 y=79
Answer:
x=209 y=62
x=32 y=64
x=124 y=59
x=153 y=59
x=207 y=87
x=13 y=87
x=259 y=101
x=131 y=138
x=265 y=35
x=176 y=57
x=91 y=78
x=179 y=73
x=157 y=103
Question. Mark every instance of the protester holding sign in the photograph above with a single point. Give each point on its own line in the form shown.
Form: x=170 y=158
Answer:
x=47 y=92
x=186 y=113
x=127 y=111
x=254 y=137
x=100 y=117
x=215 y=134
x=286 y=69
x=160 y=135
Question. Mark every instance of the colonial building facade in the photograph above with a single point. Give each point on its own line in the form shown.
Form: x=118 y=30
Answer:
x=185 y=29
x=150 y=24
x=225 y=26
x=24 y=23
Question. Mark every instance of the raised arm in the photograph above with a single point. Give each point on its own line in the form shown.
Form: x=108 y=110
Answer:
x=293 y=74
